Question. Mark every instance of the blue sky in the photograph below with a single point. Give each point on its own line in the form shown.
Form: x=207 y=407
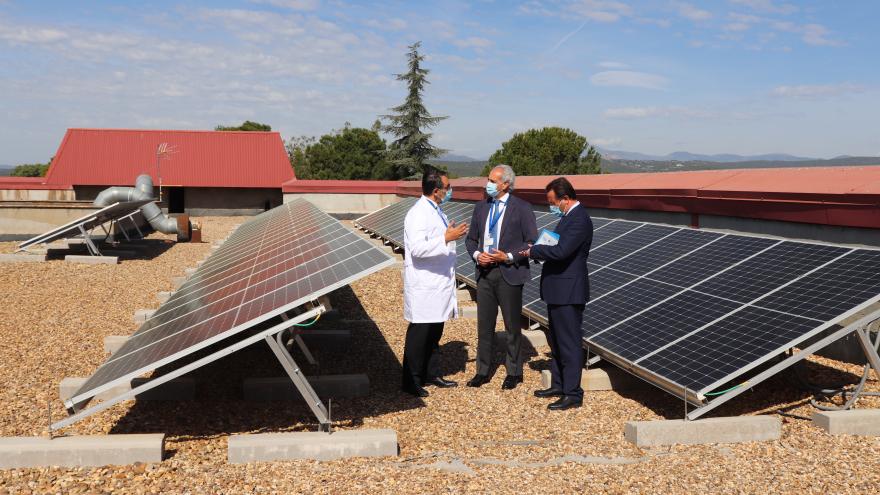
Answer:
x=655 y=76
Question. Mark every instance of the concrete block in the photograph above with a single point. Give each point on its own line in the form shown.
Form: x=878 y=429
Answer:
x=312 y=445
x=734 y=429
x=92 y=260
x=81 y=451
x=325 y=301
x=281 y=388
x=163 y=296
x=119 y=253
x=112 y=343
x=200 y=263
x=22 y=258
x=177 y=282
x=865 y=422
x=535 y=338
x=143 y=315
x=182 y=388
x=471 y=312
x=598 y=379
x=59 y=245
x=189 y=271
x=465 y=295
x=327 y=338
x=74 y=241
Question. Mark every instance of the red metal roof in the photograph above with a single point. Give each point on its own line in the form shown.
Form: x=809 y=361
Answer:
x=842 y=196
x=115 y=157
x=29 y=183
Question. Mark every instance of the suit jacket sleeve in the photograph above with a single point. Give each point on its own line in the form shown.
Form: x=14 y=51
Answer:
x=530 y=229
x=472 y=241
x=574 y=237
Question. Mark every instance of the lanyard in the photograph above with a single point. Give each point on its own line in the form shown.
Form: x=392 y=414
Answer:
x=445 y=224
x=494 y=217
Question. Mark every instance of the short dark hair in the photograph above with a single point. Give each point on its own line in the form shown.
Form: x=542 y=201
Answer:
x=561 y=187
x=431 y=179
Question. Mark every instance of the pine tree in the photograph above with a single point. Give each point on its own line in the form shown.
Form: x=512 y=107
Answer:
x=411 y=148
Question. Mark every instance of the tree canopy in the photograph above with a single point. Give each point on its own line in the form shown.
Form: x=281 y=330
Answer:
x=31 y=169
x=246 y=126
x=547 y=151
x=350 y=153
x=409 y=121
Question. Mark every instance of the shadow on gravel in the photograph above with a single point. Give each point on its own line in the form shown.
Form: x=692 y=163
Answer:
x=219 y=407
x=775 y=393
x=140 y=249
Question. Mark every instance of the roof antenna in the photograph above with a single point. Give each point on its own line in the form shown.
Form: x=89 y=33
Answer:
x=163 y=150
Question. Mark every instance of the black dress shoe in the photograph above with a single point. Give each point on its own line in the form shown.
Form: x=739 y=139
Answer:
x=548 y=392
x=510 y=382
x=439 y=381
x=416 y=390
x=478 y=381
x=565 y=403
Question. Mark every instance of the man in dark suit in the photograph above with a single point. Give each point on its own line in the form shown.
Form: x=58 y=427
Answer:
x=565 y=287
x=502 y=226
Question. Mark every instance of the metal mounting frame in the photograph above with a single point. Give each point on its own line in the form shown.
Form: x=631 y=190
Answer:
x=79 y=412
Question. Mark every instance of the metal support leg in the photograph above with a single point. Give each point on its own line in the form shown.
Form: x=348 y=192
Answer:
x=87 y=238
x=299 y=380
x=301 y=344
x=870 y=351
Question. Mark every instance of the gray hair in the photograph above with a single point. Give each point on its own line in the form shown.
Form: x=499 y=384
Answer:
x=507 y=174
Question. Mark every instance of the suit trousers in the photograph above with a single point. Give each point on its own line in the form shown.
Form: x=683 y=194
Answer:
x=421 y=357
x=565 y=339
x=493 y=291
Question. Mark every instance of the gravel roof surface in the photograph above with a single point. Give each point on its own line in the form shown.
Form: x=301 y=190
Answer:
x=54 y=316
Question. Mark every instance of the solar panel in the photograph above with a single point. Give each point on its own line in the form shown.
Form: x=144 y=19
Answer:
x=86 y=223
x=279 y=261
x=691 y=310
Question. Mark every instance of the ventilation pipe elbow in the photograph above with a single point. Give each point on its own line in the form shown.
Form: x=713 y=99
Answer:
x=142 y=190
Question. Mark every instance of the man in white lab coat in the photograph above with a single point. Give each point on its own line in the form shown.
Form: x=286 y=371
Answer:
x=428 y=282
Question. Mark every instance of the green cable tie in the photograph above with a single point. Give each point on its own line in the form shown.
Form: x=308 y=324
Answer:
x=725 y=391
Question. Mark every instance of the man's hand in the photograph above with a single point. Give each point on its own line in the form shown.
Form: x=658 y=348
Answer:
x=498 y=256
x=526 y=252
x=484 y=259
x=455 y=232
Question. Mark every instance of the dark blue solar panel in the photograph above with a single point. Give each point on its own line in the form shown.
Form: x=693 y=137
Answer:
x=626 y=244
x=664 y=251
x=711 y=259
x=618 y=305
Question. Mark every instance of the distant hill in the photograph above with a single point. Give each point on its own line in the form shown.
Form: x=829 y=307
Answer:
x=452 y=157
x=462 y=168
x=629 y=166
x=6 y=170
x=685 y=156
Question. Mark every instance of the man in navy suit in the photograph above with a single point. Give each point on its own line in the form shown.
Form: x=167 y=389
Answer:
x=565 y=287
x=502 y=226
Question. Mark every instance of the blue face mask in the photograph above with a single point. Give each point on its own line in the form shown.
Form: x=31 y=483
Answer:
x=447 y=197
x=492 y=189
x=556 y=211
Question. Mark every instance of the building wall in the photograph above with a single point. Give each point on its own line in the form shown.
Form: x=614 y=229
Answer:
x=214 y=201
x=35 y=218
x=37 y=195
x=344 y=203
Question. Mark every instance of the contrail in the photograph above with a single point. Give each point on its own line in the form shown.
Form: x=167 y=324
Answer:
x=566 y=37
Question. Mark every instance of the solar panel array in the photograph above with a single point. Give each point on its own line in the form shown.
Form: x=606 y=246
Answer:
x=86 y=222
x=691 y=310
x=278 y=261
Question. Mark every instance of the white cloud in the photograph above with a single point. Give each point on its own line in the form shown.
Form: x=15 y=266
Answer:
x=605 y=142
x=767 y=6
x=473 y=42
x=30 y=36
x=392 y=24
x=626 y=78
x=818 y=91
x=692 y=12
x=664 y=23
x=811 y=34
x=612 y=65
x=291 y=4
x=632 y=113
x=600 y=10
x=736 y=27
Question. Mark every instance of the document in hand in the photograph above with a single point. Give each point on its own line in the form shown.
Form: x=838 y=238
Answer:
x=547 y=238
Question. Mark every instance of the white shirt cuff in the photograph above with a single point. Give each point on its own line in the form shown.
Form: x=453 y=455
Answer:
x=476 y=255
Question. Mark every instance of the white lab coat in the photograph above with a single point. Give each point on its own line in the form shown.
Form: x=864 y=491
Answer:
x=429 y=266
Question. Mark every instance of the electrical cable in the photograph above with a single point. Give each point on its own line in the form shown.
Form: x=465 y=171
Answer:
x=849 y=396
